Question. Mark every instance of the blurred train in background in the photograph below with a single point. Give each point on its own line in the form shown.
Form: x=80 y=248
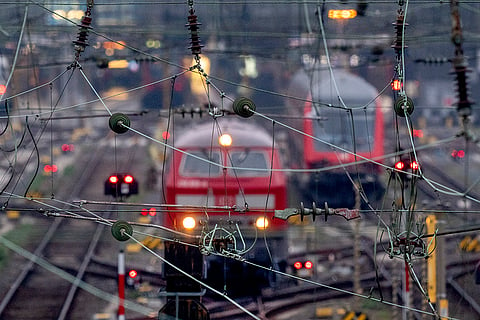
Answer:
x=342 y=112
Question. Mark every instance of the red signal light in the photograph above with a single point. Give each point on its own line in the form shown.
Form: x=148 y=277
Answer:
x=133 y=273
x=397 y=85
x=399 y=165
x=297 y=265
x=149 y=212
x=308 y=265
x=414 y=165
x=67 y=147
x=128 y=179
x=3 y=89
x=165 y=135
x=418 y=133
x=50 y=168
x=113 y=179
x=458 y=154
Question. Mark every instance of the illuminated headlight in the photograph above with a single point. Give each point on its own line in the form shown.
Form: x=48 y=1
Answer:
x=225 y=140
x=189 y=223
x=261 y=223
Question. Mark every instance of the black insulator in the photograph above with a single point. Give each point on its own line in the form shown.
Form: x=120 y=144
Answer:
x=326 y=211
x=398 y=43
x=314 y=210
x=460 y=71
x=302 y=211
x=122 y=230
x=81 y=41
x=244 y=107
x=192 y=25
x=463 y=103
x=403 y=105
x=119 y=123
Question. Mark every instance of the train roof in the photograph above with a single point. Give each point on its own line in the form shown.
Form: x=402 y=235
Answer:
x=244 y=132
x=318 y=84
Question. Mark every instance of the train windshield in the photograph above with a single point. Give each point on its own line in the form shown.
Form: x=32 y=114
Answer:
x=201 y=163
x=249 y=159
x=344 y=129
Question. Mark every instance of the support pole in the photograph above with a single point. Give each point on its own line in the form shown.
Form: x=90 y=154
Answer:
x=357 y=286
x=121 y=285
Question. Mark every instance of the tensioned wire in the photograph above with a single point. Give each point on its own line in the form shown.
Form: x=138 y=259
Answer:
x=61 y=272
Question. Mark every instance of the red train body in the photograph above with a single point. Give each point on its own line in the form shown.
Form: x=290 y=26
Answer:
x=203 y=173
x=204 y=178
x=346 y=121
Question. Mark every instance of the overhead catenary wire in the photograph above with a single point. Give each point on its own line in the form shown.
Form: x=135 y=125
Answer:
x=217 y=87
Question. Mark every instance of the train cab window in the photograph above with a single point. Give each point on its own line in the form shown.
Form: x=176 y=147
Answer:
x=337 y=129
x=250 y=159
x=194 y=166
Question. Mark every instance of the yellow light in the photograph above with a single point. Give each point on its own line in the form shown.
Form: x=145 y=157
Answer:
x=118 y=64
x=188 y=223
x=58 y=14
x=197 y=81
x=75 y=14
x=261 y=223
x=118 y=45
x=342 y=14
x=225 y=140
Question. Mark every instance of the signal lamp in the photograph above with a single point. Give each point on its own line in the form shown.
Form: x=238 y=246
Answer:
x=165 y=135
x=458 y=154
x=67 y=147
x=261 y=223
x=397 y=85
x=121 y=185
x=189 y=223
x=414 y=165
x=297 y=265
x=342 y=14
x=133 y=273
x=399 y=165
x=152 y=212
x=3 y=89
x=128 y=179
x=308 y=265
x=50 y=168
x=225 y=140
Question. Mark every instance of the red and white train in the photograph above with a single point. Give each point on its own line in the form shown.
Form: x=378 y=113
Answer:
x=224 y=183
x=343 y=114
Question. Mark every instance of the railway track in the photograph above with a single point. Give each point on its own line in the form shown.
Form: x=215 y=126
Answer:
x=66 y=242
x=448 y=179
x=276 y=302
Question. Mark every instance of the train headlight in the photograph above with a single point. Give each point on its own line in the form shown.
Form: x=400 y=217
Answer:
x=261 y=223
x=189 y=223
x=225 y=140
